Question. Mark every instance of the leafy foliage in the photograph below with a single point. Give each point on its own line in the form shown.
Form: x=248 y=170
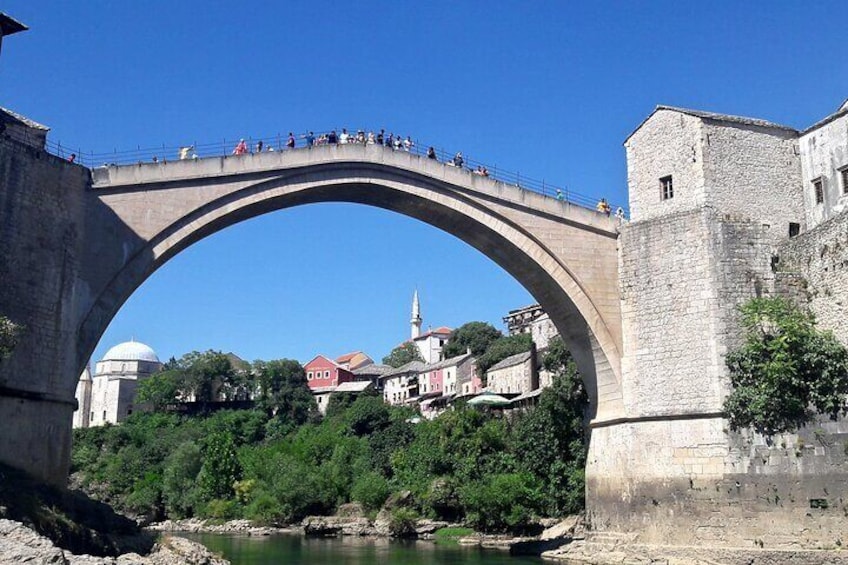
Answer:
x=283 y=390
x=785 y=371
x=9 y=332
x=502 y=348
x=276 y=468
x=551 y=440
x=504 y=502
x=477 y=336
x=403 y=354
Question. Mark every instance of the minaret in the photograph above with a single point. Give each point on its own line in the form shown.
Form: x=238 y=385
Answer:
x=416 y=316
x=83 y=396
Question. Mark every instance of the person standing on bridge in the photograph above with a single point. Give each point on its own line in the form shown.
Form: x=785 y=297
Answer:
x=259 y=145
x=309 y=138
x=241 y=148
x=290 y=143
x=431 y=153
x=332 y=138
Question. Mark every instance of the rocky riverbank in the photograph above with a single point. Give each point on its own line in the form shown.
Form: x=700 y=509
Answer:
x=355 y=525
x=21 y=544
x=608 y=549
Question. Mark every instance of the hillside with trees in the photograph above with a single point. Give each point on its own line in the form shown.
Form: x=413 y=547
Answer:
x=280 y=462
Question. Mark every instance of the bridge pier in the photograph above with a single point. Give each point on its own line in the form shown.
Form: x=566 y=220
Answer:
x=693 y=482
x=36 y=435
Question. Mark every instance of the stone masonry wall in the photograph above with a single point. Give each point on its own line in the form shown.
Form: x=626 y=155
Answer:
x=682 y=277
x=753 y=172
x=41 y=202
x=669 y=143
x=817 y=262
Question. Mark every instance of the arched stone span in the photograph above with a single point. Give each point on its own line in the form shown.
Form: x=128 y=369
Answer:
x=564 y=255
x=111 y=228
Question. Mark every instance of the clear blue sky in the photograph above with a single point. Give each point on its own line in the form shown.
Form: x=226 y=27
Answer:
x=550 y=89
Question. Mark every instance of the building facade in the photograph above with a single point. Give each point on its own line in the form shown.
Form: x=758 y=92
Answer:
x=534 y=321
x=516 y=375
x=109 y=397
x=323 y=372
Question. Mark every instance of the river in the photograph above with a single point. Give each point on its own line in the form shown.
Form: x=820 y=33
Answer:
x=291 y=549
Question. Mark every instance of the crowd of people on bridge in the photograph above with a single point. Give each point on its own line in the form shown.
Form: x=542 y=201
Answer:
x=395 y=142
x=309 y=139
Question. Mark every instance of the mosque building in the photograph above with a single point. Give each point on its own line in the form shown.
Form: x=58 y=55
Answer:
x=108 y=395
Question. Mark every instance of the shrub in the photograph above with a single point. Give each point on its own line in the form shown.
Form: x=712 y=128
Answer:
x=403 y=522
x=265 y=510
x=505 y=502
x=222 y=509
x=371 y=490
x=785 y=371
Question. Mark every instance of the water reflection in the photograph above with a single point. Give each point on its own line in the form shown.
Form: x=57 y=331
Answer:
x=295 y=549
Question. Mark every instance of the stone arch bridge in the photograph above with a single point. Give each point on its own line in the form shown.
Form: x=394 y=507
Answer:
x=76 y=244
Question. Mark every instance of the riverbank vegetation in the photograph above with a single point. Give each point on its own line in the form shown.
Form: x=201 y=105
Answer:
x=280 y=462
x=786 y=371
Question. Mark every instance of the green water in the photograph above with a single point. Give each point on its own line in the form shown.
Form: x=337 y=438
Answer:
x=295 y=549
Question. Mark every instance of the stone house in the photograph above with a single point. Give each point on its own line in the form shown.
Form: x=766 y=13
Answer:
x=516 y=374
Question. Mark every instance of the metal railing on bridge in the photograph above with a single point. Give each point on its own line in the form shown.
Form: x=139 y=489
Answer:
x=225 y=147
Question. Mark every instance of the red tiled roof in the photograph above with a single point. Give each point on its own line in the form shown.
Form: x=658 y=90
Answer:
x=347 y=357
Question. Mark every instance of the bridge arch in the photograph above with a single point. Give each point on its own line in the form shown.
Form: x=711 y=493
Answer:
x=168 y=208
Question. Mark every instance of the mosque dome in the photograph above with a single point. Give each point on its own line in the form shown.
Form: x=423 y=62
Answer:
x=131 y=351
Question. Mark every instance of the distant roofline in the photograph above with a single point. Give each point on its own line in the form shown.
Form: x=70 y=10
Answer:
x=842 y=111
x=511 y=361
x=336 y=365
x=9 y=25
x=24 y=120
x=728 y=118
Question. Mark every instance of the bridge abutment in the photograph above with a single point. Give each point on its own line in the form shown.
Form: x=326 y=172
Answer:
x=37 y=435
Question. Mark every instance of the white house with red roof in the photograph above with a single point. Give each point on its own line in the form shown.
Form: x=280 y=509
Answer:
x=429 y=344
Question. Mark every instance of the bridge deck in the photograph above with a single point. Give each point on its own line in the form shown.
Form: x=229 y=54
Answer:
x=113 y=178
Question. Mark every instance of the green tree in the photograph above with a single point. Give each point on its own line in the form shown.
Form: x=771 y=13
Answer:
x=403 y=354
x=220 y=469
x=160 y=389
x=9 y=332
x=502 y=348
x=785 y=371
x=205 y=372
x=283 y=391
x=179 y=481
x=477 y=336
x=550 y=441
x=367 y=415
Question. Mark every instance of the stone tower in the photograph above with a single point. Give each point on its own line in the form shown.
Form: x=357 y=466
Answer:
x=83 y=396
x=712 y=199
x=415 y=322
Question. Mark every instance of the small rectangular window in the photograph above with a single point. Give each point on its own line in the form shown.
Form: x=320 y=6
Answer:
x=818 y=189
x=666 y=188
x=309 y=376
x=794 y=229
x=843 y=173
x=326 y=374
